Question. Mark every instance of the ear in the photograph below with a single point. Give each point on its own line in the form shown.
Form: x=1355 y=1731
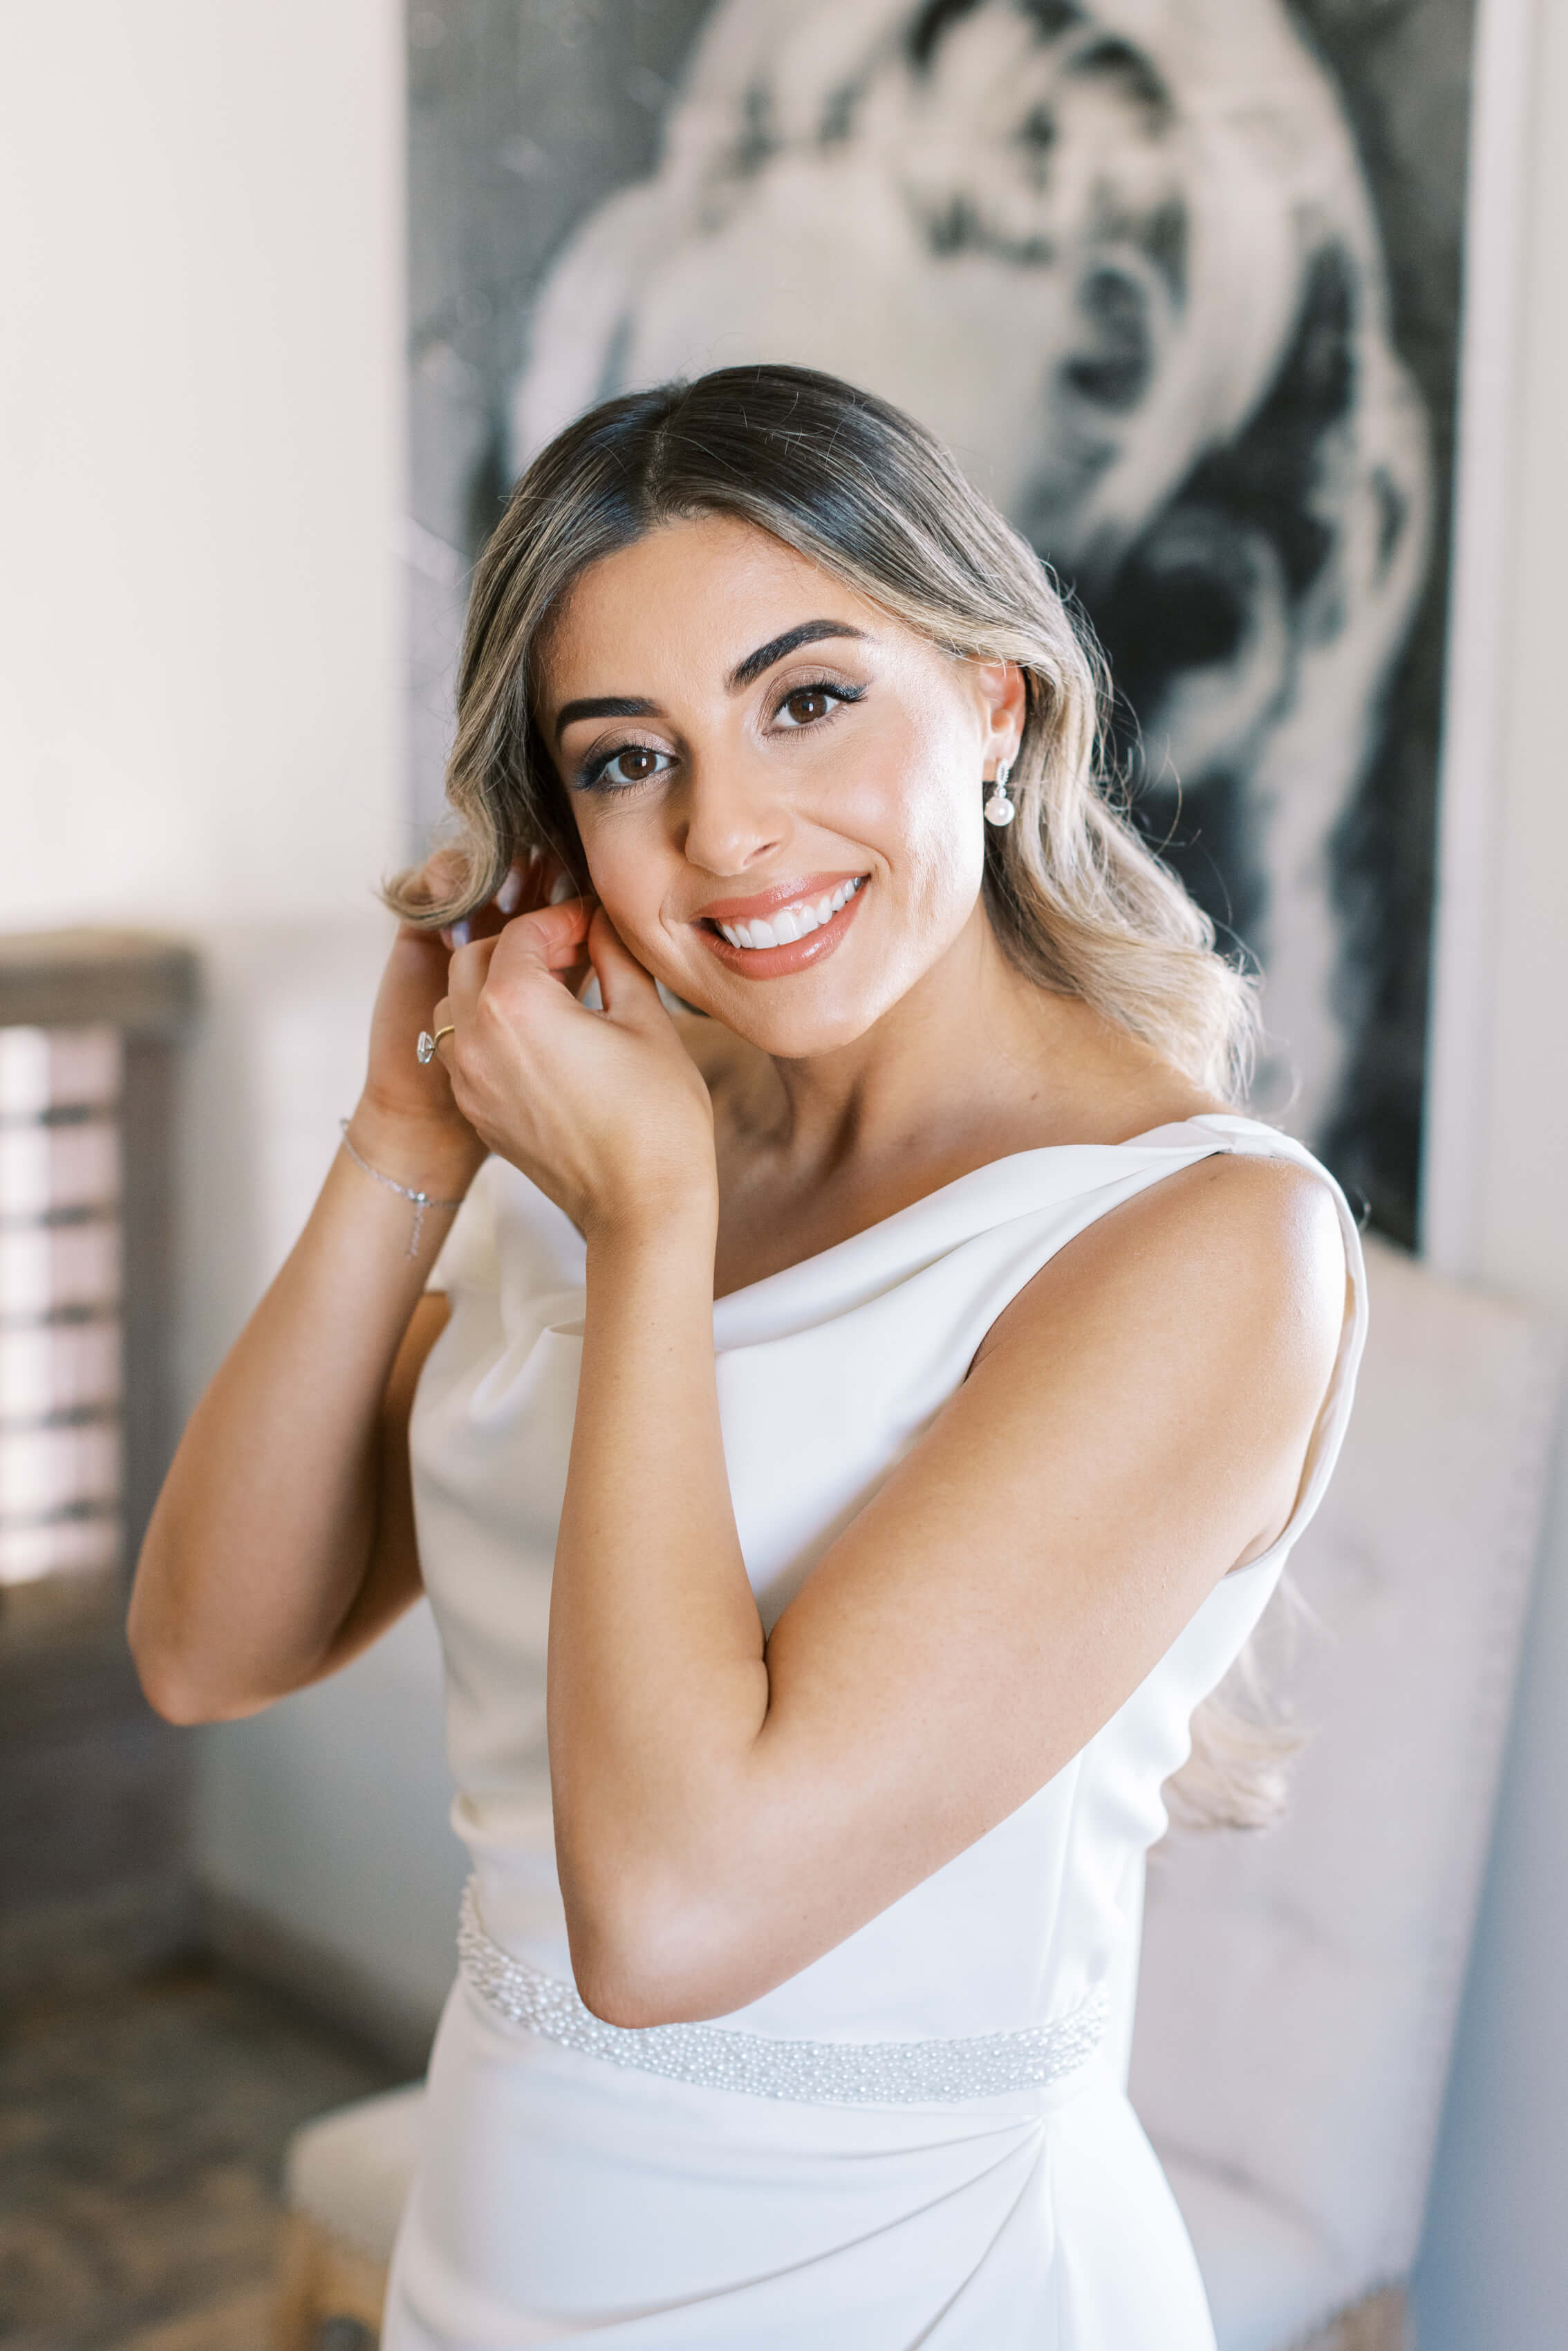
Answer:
x=1003 y=699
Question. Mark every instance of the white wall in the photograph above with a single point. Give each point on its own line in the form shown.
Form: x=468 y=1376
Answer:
x=200 y=415
x=201 y=700
x=1494 y=2269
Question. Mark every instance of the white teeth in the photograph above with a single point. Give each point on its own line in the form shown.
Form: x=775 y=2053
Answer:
x=791 y=923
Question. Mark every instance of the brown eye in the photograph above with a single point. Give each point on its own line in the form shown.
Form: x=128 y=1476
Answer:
x=635 y=763
x=809 y=703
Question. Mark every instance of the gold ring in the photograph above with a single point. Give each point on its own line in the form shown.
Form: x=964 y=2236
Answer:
x=425 y=1051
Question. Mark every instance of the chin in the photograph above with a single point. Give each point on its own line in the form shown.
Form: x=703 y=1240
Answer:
x=802 y=1036
x=799 y=1021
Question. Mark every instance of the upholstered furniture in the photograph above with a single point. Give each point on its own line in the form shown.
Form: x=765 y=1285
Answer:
x=344 y=2183
x=1300 y=1988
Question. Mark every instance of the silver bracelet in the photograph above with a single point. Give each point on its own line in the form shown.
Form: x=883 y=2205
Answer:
x=422 y=1200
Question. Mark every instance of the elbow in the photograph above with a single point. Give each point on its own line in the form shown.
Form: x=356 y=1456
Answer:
x=173 y=1687
x=188 y=1703
x=167 y=1683
x=622 y=1990
x=184 y=1709
x=171 y=1691
x=616 y=2000
x=642 y=1959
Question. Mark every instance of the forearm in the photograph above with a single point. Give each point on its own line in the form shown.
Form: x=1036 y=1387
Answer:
x=658 y=1683
x=263 y=1532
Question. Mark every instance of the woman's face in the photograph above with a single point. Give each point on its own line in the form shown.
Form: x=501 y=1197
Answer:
x=777 y=788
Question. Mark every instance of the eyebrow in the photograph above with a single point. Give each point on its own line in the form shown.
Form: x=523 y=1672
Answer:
x=605 y=705
x=809 y=632
x=744 y=673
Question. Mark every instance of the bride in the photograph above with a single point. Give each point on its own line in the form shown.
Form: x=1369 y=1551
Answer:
x=862 y=1407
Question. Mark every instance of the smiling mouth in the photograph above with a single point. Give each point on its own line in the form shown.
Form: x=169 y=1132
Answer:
x=788 y=938
x=788 y=924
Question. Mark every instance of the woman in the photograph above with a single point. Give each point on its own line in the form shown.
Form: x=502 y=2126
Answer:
x=913 y=1369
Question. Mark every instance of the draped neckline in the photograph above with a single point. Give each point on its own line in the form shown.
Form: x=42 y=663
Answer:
x=1086 y=1167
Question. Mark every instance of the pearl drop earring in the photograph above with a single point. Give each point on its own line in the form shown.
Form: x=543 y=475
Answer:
x=999 y=809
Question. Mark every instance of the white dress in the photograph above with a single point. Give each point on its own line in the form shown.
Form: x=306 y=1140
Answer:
x=924 y=2137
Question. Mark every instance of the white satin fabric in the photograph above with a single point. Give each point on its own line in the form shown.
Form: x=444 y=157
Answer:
x=560 y=2197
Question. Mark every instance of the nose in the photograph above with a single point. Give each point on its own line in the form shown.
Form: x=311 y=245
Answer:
x=730 y=820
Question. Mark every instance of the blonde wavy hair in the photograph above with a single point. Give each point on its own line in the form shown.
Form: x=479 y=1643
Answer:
x=1077 y=900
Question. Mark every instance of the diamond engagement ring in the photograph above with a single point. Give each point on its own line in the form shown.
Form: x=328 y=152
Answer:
x=425 y=1050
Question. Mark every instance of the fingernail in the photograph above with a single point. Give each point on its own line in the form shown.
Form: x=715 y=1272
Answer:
x=460 y=934
x=510 y=891
x=565 y=888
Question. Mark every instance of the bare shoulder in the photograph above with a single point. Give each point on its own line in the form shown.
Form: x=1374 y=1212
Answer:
x=1233 y=1268
x=1258 y=1215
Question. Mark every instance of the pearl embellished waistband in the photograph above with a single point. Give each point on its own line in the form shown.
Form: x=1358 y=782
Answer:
x=811 y=2073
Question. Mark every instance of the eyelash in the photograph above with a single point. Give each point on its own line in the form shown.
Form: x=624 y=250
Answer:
x=591 y=778
x=824 y=685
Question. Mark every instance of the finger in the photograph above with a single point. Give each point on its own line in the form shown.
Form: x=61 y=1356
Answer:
x=418 y=938
x=482 y=923
x=549 y=940
x=442 y=1020
x=522 y=878
x=626 y=988
x=466 y=974
x=520 y=887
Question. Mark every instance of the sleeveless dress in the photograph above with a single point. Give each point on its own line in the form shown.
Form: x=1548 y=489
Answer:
x=924 y=2137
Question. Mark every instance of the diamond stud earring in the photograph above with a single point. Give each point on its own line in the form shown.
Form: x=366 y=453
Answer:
x=998 y=809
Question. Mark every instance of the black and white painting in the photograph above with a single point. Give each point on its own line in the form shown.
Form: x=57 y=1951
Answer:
x=1178 y=279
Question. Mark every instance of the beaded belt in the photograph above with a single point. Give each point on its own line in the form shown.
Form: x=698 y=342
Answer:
x=812 y=2072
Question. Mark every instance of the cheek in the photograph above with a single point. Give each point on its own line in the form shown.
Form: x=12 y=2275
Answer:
x=625 y=871
x=919 y=812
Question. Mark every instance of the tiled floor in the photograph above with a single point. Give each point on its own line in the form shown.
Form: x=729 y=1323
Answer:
x=142 y=2130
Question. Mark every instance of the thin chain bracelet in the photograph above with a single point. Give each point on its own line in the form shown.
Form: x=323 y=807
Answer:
x=422 y=1200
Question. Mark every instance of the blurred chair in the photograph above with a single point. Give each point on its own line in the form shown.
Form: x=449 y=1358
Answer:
x=1300 y=1990
x=345 y=2180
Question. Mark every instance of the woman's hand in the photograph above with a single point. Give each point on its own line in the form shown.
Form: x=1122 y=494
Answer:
x=604 y=1110
x=407 y=1109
